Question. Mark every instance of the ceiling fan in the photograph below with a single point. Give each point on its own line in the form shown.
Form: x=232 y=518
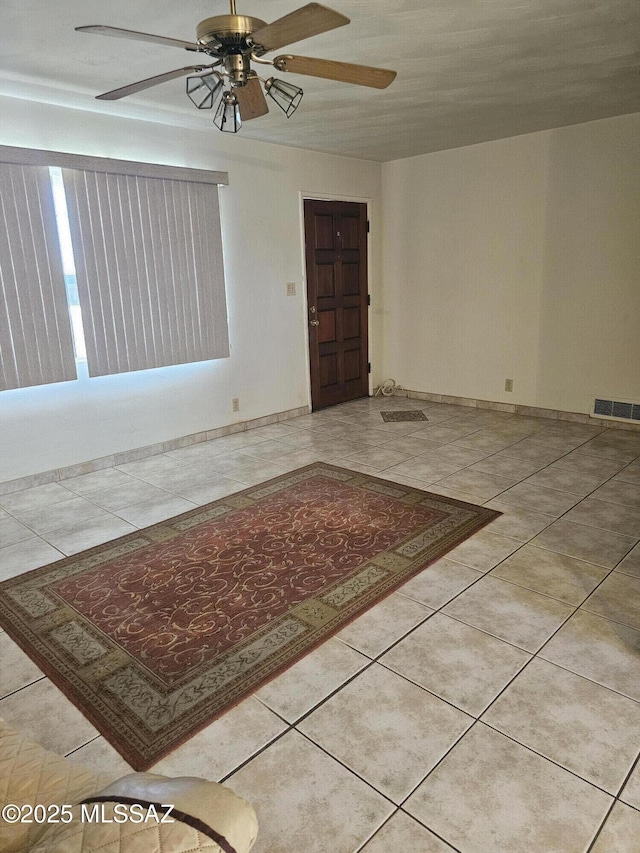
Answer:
x=234 y=42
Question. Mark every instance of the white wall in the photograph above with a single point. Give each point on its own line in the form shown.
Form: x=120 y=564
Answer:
x=590 y=313
x=517 y=259
x=59 y=425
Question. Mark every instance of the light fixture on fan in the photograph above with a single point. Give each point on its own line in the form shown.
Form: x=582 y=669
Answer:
x=227 y=117
x=286 y=95
x=235 y=41
x=204 y=90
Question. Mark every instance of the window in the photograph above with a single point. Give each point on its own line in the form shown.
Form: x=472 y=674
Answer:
x=68 y=264
x=133 y=249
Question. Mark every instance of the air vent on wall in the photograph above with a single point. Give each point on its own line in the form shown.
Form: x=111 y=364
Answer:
x=616 y=410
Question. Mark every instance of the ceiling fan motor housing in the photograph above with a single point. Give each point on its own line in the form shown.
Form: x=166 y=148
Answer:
x=227 y=31
x=226 y=36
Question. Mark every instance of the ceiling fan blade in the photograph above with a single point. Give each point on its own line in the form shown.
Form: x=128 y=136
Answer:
x=116 y=32
x=132 y=88
x=251 y=99
x=310 y=20
x=360 y=75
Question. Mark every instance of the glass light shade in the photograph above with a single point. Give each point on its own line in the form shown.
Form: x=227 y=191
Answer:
x=286 y=96
x=204 y=89
x=227 y=117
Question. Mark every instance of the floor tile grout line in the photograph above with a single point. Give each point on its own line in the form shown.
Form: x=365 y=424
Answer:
x=226 y=776
x=24 y=686
x=566 y=668
x=477 y=721
x=534 y=654
x=399 y=640
x=416 y=820
x=544 y=467
x=629 y=805
x=376 y=831
x=458 y=740
x=601 y=827
x=628 y=573
x=572 y=556
x=302 y=717
x=113 y=513
x=450 y=702
x=370 y=662
x=585 y=677
x=546 y=757
x=634 y=766
x=91 y=740
x=441 y=611
x=511 y=680
x=369 y=838
x=608 y=617
x=559 y=628
x=561 y=516
x=536 y=591
x=422 y=823
x=108 y=512
x=346 y=767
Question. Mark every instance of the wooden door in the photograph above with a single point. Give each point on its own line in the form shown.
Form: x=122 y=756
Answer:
x=336 y=259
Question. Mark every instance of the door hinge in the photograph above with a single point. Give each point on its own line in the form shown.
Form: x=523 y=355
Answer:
x=368 y=226
x=368 y=367
x=368 y=299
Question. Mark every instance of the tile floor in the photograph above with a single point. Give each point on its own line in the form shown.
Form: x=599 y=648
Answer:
x=491 y=704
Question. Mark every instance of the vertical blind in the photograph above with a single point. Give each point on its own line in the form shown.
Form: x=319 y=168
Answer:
x=148 y=254
x=36 y=345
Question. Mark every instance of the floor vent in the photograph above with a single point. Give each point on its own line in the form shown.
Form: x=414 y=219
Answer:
x=616 y=410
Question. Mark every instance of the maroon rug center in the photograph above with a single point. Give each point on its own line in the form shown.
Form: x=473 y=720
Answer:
x=178 y=604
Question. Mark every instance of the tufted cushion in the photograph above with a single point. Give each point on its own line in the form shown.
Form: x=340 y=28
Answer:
x=30 y=774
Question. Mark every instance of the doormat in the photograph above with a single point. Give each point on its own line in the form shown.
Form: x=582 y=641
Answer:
x=154 y=635
x=404 y=416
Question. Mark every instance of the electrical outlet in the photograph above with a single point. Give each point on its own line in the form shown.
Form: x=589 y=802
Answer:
x=291 y=288
x=235 y=404
x=508 y=384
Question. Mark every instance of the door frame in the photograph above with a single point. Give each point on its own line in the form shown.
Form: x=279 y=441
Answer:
x=315 y=196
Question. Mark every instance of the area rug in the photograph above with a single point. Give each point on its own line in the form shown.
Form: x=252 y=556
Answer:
x=155 y=634
x=412 y=415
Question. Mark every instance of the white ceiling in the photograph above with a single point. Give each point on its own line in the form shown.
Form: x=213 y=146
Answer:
x=468 y=70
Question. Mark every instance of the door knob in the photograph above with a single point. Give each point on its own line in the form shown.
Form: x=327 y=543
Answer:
x=314 y=322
